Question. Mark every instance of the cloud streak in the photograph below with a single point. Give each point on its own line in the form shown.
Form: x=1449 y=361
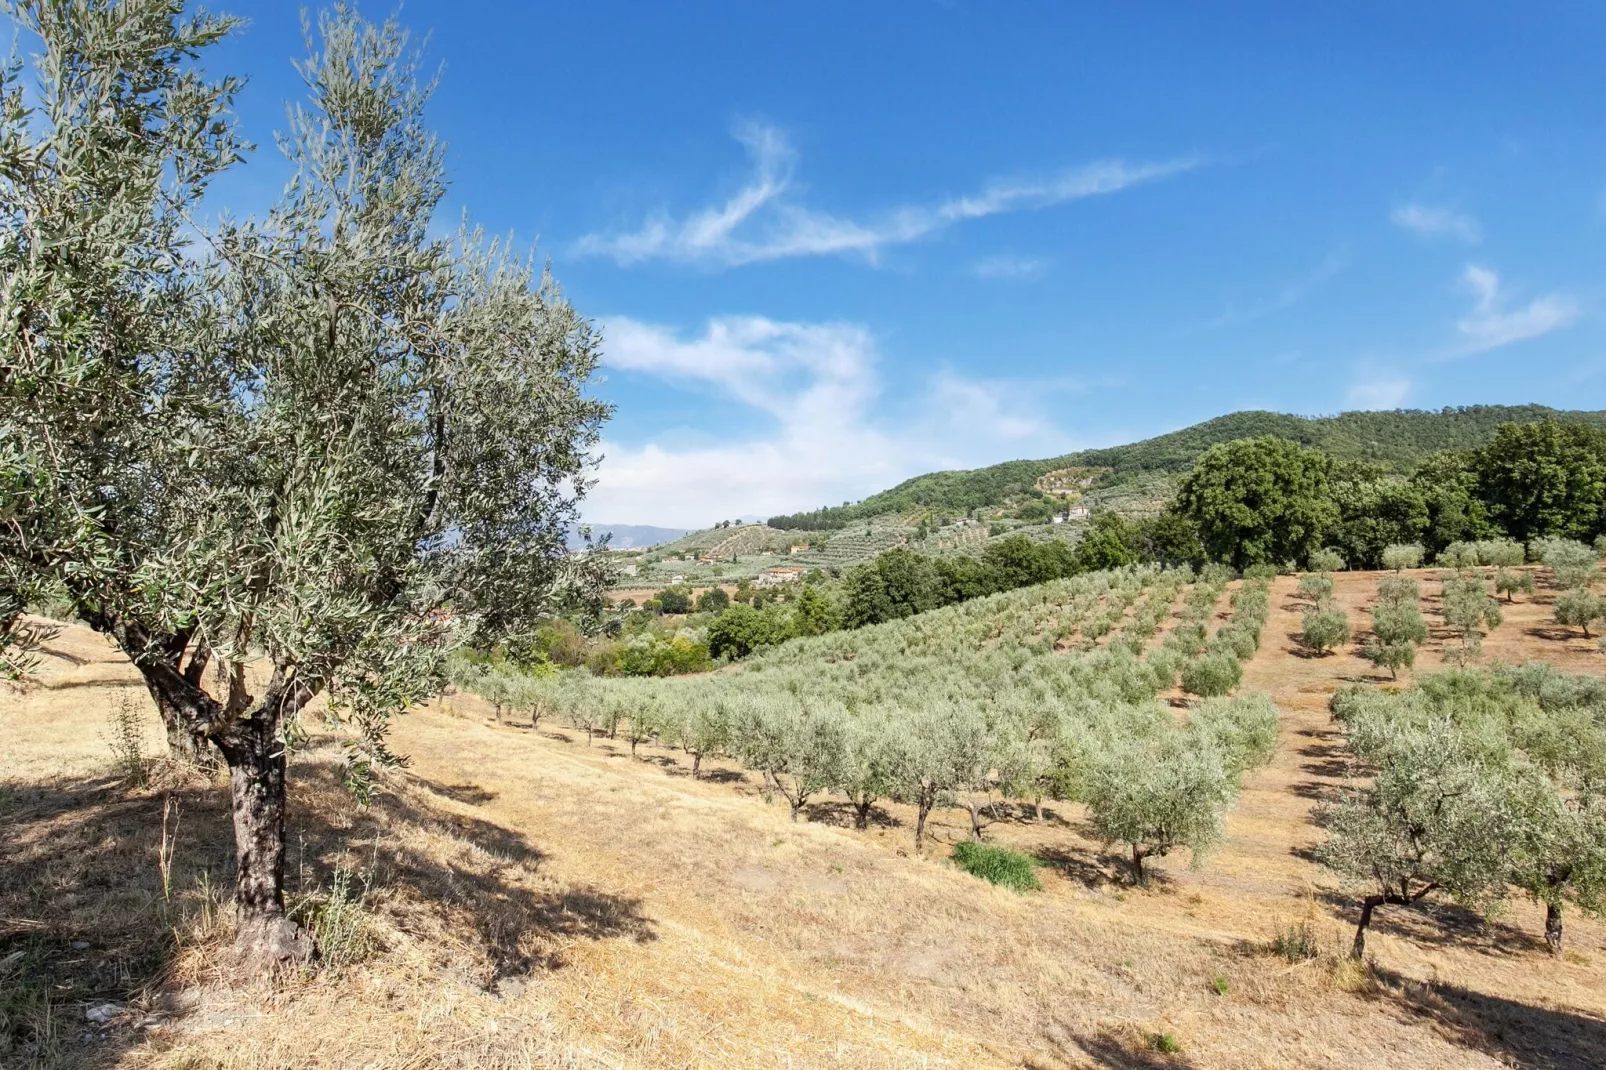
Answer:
x=818 y=386
x=1429 y=221
x=1016 y=268
x=763 y=221
x=1492 y=324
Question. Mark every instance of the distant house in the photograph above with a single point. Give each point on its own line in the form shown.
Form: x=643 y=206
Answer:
x=628 y=570
x=797 y=547
x=774 y=577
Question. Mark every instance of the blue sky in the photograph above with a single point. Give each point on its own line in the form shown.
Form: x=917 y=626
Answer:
x=833 y=245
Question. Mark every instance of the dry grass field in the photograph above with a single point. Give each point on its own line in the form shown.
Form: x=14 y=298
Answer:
x=526 y=900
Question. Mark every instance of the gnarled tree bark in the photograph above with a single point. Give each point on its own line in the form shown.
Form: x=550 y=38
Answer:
x=267 y=938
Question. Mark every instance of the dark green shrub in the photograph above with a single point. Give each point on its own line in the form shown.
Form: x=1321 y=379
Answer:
x=999 y=865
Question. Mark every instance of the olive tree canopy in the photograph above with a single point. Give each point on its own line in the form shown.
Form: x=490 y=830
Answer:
x=282 y=459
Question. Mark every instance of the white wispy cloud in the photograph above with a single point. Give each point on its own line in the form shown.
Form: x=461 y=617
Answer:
x=1493 y=324
x=816 y=386
x=1019 y=268
x=763 y=221
x=1431 y=221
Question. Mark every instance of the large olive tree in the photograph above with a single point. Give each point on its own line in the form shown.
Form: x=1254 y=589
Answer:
x=284 y=460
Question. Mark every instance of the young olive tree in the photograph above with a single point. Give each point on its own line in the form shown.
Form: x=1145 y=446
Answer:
x=703 y=729
x=1402 y=556
x=932 y=757
x=1316 y=588
x=1397 y=627
x=997 y=760
x=1468 y=609
x=1327 y=559
x=1211 y=674
x=1244 y=729
x=1437 y=817
x=815 y=748
x=1560 y=856
x=311 y=465
x=1324 y=629
x=1579 y=609
x=1510 y=582
x=1158 y=792
x=1571 y=563
x=867 y=770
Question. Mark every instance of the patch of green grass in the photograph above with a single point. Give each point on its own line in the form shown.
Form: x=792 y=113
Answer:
x=1221 y=986
x=1000 y=865
x=1164 y=1043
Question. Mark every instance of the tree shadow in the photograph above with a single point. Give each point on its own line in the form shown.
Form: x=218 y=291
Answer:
x=1316 y=790
x=1090 y=871
x=1440 y=923
x=92 y=918
x=72 y=685
x=1297 y=649
x=1557 y=634
x=842 y=815
x=468 y=794
x=1108 y=1049
x=1517 y=1034
x=51 y=652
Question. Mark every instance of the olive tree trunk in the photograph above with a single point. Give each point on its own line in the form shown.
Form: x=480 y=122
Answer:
x=250 y=742
x=1553 y=927
x=266 y=937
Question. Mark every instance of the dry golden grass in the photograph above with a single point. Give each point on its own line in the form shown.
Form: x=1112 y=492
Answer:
x=537 y=902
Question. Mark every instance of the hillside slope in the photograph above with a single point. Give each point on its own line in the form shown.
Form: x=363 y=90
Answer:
x=1395 y=439
x=532 y=900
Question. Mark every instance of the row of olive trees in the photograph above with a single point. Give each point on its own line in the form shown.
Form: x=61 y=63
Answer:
x=1149 y=783
x=1478 y=783
x=1575 y=568
x=973 y=707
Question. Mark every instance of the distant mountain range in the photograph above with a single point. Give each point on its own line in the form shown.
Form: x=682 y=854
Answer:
x=629 y=536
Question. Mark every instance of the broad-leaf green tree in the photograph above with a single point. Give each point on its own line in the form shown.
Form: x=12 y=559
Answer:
x=1258 y=501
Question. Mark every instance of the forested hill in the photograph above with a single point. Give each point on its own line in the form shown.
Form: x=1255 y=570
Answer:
x=1396 y=439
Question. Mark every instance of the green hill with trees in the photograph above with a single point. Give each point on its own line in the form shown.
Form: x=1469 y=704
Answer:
x=1395 y=440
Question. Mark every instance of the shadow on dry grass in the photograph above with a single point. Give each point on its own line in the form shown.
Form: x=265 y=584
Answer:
x=1110 y=1049
x=1441 y=923
x=88 y=917
x=1517 y=1034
